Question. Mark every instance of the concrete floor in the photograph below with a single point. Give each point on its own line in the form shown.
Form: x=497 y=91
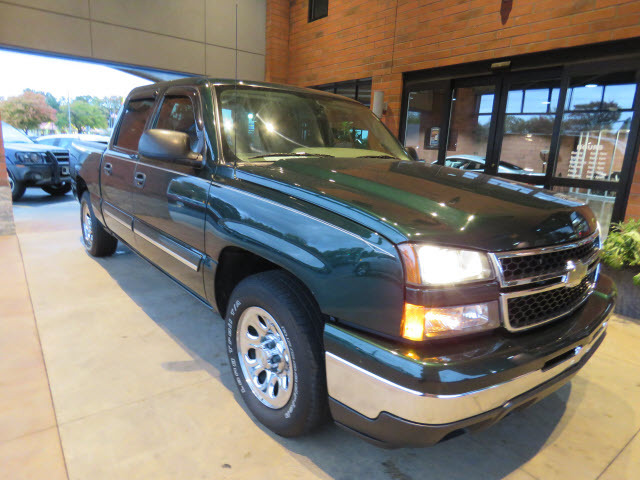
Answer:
x=141 y=389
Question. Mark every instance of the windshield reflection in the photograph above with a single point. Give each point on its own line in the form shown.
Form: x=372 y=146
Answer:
x=260 y=124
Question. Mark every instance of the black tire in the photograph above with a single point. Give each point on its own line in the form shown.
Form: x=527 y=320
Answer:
x=57 y=190
x=17 y=188
x=97 y=241
x=298 y=318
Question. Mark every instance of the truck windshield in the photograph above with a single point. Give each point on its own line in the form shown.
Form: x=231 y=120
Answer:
x=263 y=124
x=13 y=135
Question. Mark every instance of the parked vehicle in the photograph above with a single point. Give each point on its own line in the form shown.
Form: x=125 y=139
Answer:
x=411 y=302
x=477 y=164
x=65 y=140
x=33 y=165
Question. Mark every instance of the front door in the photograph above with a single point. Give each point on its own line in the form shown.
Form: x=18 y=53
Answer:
x=118 y=168
x=170 y=199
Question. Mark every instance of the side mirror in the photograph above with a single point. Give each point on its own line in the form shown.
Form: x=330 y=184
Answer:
x=169 y=146
x=412 y=153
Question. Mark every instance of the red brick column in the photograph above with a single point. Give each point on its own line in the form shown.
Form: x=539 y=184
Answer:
x=277 y=59
x=4 y=179
x=633 y=204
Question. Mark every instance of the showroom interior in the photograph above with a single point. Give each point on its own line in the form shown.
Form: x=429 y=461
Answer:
x=114 y=385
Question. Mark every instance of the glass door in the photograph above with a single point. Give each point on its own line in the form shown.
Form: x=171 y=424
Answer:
x=573 y=129
x=594 y=139
x=526 y=126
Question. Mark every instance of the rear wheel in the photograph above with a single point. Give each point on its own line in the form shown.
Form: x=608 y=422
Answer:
x=17 y=188
x=58 y=190
x=97 y=241
x=274 y=343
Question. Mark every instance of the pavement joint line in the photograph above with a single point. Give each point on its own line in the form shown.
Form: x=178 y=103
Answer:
x=44 y=363
x=140 y=400
x=618 y=454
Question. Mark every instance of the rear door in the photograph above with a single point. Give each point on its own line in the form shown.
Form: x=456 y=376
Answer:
x=119 y=164
x=169 y=199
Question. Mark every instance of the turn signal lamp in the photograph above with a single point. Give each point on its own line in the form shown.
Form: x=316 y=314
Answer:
x=421 y=322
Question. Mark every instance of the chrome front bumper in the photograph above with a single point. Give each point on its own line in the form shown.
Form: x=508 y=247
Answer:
x=370 y=395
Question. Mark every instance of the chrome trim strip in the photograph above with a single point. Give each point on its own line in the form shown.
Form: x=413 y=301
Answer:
x=111 y=214
x=370 y=394
x=495 y=258
x=167 y=250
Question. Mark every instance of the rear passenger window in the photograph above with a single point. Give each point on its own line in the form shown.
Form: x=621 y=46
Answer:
x=132 y=124
x=177 y=114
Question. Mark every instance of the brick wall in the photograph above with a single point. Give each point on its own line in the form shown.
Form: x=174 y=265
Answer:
x=4 y=179
x=277 y=49
x=384 y=38
x=633 y=205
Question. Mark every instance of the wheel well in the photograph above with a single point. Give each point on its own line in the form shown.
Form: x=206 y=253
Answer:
x=81 y=187
x=234 y=265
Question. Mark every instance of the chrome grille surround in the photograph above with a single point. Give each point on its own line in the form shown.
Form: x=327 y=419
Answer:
x=586 y=251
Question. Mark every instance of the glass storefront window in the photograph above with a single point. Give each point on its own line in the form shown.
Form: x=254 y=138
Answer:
x=528 y=127
x=425 y=115
x=601 y=202
x=470 y=122
x=595 y=127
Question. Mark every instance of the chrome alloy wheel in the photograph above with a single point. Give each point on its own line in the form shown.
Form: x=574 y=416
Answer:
x=87 y=231
x=264 y=357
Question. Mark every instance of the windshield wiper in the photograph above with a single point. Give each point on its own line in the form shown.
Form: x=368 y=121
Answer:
x=291 y=154
x=378 y=156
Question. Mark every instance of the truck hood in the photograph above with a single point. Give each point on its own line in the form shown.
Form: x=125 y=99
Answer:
x=413 y=201
x=31 y=147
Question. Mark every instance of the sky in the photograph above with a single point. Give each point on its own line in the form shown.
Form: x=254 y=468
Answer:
x=62 y=77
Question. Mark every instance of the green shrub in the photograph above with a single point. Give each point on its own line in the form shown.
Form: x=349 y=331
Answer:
x=622 y=246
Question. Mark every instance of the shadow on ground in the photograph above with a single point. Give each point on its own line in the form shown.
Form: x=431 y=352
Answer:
x=491 y=454
x=35 y=197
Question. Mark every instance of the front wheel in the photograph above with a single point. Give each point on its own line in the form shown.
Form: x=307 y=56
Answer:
x=57 y=190
x=274 y=343
x=17 y=188
x=97 y=241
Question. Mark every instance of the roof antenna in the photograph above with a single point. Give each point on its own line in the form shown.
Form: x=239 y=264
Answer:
x=235 y=102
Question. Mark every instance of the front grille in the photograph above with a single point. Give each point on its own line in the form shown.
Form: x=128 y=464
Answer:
x=531 y=310
x=61 y=157
x=539 y=285
x=528 y=266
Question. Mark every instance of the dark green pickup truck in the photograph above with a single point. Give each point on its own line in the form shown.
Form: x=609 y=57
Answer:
x=409 y=302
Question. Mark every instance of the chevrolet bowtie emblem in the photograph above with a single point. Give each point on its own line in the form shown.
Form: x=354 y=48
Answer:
x=576 y=271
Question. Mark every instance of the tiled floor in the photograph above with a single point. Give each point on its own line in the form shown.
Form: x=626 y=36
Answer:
x=140 y=384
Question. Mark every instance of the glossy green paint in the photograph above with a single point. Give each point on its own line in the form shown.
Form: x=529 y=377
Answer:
x=354 y=273
x=413 y=201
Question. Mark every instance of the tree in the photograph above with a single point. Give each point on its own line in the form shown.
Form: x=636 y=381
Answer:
x=27 y=111
x=84 y=114
x=593 y=118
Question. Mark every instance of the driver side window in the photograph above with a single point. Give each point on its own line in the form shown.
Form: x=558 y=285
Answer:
x=177 y=114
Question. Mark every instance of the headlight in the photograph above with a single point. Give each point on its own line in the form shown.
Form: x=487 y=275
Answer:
x=29 y=157
x=419 y=323
x=439 y=266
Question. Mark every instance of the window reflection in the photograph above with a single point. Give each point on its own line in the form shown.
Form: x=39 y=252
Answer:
x=528 y=127
x=425 y=114
x=471 y=116
x=595 y=127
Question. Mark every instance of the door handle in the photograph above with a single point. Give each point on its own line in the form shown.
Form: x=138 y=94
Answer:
x=139 y=180
x=108 y=168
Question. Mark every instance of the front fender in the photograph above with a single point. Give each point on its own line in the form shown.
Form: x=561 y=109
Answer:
x=354 y=273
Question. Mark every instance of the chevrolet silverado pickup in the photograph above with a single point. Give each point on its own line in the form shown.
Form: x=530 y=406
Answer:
x=32 y=165
x=406 y=301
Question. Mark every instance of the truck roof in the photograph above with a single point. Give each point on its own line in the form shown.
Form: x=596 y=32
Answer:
x=202 y=80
